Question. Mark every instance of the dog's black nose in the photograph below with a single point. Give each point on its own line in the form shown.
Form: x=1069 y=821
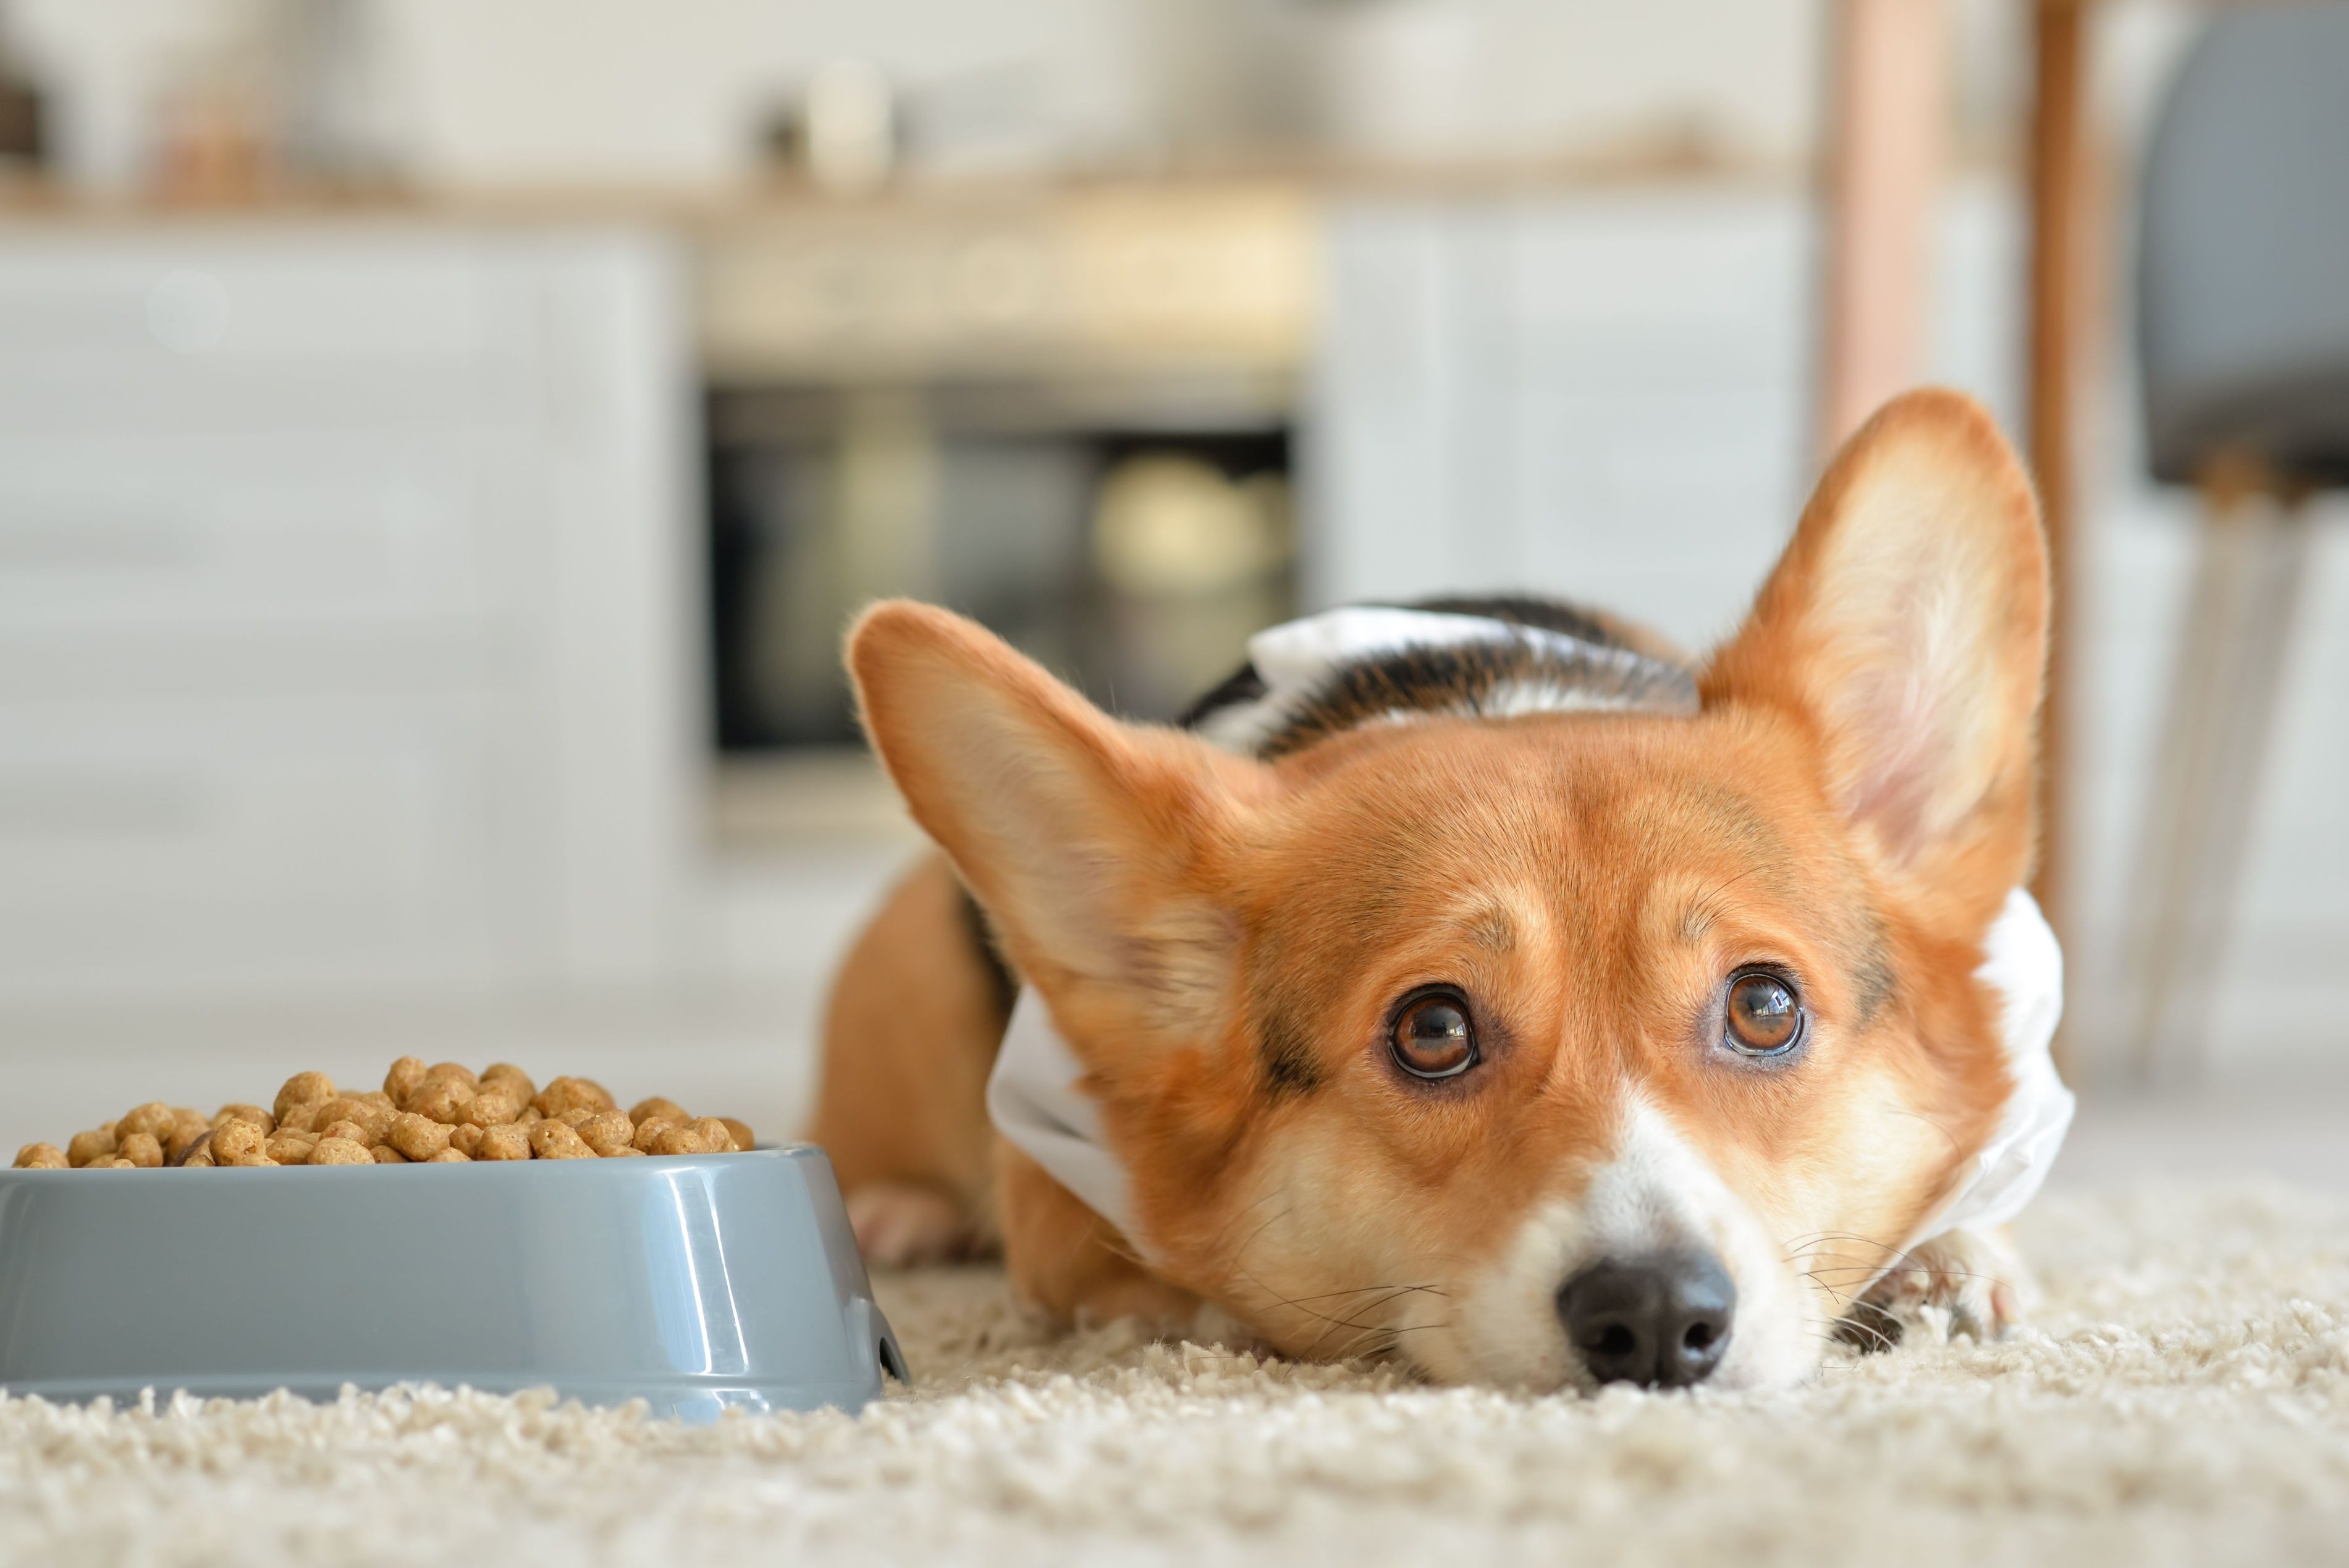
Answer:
x=1660 y=1321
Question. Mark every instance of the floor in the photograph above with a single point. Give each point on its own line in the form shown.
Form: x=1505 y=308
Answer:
x=2297 y=1133
x=2181 y=1396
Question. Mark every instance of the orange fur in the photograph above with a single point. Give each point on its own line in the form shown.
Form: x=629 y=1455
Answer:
x=1851 y=805
x=911 y=1031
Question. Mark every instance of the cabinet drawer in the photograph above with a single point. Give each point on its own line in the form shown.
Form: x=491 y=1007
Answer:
x=260 y=328
x=126 y=532
x=223 y=846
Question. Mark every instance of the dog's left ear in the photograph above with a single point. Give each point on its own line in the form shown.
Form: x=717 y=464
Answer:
x=1092 y=844
x=1905 y=626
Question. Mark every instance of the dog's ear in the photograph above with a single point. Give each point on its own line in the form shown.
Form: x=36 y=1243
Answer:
x=1905 y=627
x=1092 y=844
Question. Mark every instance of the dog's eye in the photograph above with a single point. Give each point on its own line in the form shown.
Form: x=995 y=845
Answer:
x=1433 y=1036
x=1765 y=1017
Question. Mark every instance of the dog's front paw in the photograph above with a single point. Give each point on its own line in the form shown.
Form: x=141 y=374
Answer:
x=899 y=1223
x=1968 y=1281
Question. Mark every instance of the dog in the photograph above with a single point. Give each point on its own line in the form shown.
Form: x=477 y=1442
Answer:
x=1486 y=984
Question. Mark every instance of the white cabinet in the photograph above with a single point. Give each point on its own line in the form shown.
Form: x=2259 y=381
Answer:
x=1600 y=398
x=346 y=580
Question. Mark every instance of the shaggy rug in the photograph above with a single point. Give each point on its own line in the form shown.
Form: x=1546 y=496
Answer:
x=2181 y=1396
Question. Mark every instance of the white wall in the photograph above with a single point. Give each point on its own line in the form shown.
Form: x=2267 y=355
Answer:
x=500 y=93
x=487 y=93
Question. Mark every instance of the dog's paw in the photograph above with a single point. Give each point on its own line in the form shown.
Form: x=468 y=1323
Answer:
x=1968 y=1281
x=899 y=1224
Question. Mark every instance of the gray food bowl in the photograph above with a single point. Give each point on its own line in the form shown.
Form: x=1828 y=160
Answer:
x=695 y=1283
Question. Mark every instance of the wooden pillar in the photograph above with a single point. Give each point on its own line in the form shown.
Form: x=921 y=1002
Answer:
x=2058 y=242
x=1888 y=107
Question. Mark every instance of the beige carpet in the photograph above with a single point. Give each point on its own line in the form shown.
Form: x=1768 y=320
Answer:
x=2182 y=1397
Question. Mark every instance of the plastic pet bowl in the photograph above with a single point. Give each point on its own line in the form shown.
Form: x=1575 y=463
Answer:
x=695 y=1283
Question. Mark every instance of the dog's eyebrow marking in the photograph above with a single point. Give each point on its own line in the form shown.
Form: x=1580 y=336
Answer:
x=1728 y=815
x=1697 y=919
x=1490 y=926
x=1698 y=915
x=1287 y=1056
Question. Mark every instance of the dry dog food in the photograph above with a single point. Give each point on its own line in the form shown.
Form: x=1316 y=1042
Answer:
x=421 y=1115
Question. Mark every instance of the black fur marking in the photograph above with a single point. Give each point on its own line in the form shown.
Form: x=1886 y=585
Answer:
x=1005 y=984
x=1465 y=679
x=1243 y=685
x=1621 y=669
x=1546 y=614
x=1289 y=1064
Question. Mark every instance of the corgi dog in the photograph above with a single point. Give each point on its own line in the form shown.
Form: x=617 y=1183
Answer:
x=1485 y=983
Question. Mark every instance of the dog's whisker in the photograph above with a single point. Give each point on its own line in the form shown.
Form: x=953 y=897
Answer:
x=1369 y=1289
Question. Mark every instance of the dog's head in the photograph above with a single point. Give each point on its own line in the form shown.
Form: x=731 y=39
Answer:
x=1553 y=1048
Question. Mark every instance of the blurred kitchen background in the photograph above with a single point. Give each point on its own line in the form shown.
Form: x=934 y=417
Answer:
x=441 y=442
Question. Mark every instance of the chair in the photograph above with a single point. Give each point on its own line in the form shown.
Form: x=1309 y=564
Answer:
x=2243 y=344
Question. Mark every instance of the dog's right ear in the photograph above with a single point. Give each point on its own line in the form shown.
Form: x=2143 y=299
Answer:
x=1905 y=628
x=1093 y=845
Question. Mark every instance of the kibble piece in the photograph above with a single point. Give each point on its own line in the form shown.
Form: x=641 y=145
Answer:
x=457 y=1080
x=407 y=1075
x=715 y=1136
x=252 y=1113
x=341 y=1152
x=187 y=1127
x=743 y=1137
x=529 y=1116
x=448 y=1157
x=573 y=1094
x=370 y=1118
x=674 y=1139
x=199 y=1159
x=441 y=1099
x=142 y=1149
x=154 y=1119
x=348 y=1131
x=506 y=1072
x=376 y=1096
x=649 y=1129
x=238 y=1142
x=186 y=1154
x=417 y=1136
x=112 y=1163
x=666 y=1109
x=511 y=1142
x=608 y=1132
x=85 y=1149
x=465 y=1138
x=41 y=1157
x=291 y=1148
x=494 y=1106
x=625 y=1154
x=385 y=1154
x=302 y=1118
x=303 y=1088
x=555 y=1141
